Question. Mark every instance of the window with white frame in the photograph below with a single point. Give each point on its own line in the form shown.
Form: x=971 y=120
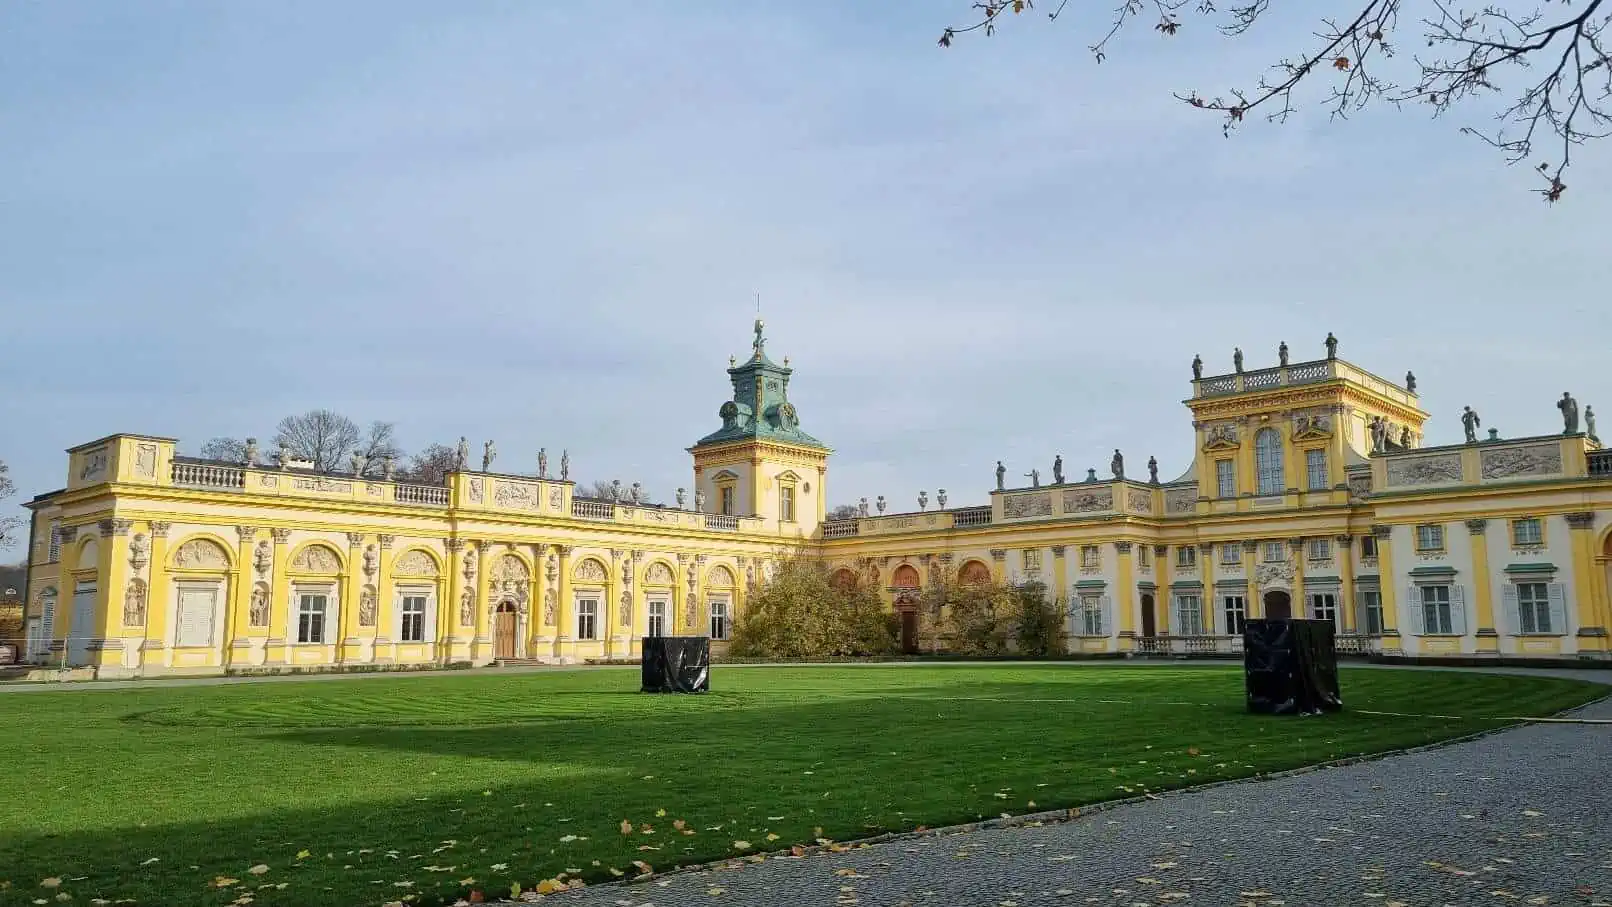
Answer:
x=1370 y=621
x=786 y=503
x=587 y=618
x=1089 y=616
x=1273 y=553
x=1144 y=556
x=1527 y=533
x=1186 y=556
x=1231 y=553
x=1091 y=556
x=1320 y=549
x=1225 y=479
x=1268 y=461
x=1368 y=546
x=1032 y=559
x=1189 y=614
x=1533 y=607
x=1315 y=469
x=312 y=611
x=1235 y=607
x=719 y=618
x=1324 y=606
x=411 y=617
x=1429 y=537
x=657 y=618
x=725 y=496
x=1438 y=618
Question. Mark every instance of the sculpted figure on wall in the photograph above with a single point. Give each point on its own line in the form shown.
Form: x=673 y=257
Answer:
x=1569 y=408
x=467 y=608
x=134 y=603
x=1281 y=354
x=1237 y=359
x=200 y=554
x=257 y=612
x=139 y=551
x=366 y=607
x=1470 y=423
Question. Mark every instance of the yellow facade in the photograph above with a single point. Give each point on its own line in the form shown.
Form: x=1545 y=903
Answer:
x=148 y=563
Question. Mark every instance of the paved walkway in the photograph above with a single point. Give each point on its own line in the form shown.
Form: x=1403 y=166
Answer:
x=1520 y=817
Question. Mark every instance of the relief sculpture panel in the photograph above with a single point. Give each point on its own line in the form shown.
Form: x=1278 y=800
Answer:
x=1093 y=501
x=1139 y=500
x=1438 y=469
x=1534 y=460
x=1020 y=506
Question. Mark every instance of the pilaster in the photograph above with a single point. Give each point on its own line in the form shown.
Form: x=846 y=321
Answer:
x=1594 y=614
x=1388 y=586
x=999 y=565
x=240 y=593
x=1060 y=576
x=280 y=601
x=1346 y=575
x=352 y=592
x=156 y=594
x=1482 y=593
x=385 y=597
x=674 y=621
x=1254 y=607
x=481 y=642
x=610 y=610
x=1125 y=596
x=448 y=633
x=564 y=623
x=1163 y=569
x=113 y=557
x=1299 y=607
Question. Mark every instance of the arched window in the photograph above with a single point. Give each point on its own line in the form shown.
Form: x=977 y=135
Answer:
x=1268 y=461
x=842 y=579
x=975 y=573
x=906 y=577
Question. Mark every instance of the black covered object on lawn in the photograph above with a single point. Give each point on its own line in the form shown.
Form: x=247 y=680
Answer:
x=1290 y=667
x=676 y=664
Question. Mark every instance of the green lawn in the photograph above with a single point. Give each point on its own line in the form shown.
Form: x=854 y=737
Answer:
x=367 y=791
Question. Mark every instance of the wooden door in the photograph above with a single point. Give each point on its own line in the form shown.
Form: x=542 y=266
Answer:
x=1149 y=617
x=504 y=633
x=909 y=632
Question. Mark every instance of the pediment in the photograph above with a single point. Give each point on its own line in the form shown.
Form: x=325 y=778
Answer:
x=725 y=475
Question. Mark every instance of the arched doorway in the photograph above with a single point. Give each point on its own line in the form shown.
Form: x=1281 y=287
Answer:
x=504 y=630
x=1149 y=619
x=907 y=583
x=1278 y=605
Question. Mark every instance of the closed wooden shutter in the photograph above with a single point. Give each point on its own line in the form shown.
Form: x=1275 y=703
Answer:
x=1558 y=608
x=1513 y=624
x=1458 y=610
x=1104 y=605
x=1413 y=609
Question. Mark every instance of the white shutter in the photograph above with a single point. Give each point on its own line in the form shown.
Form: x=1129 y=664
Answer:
x=1412 y=608
x=1457 y=609
x=49 y=631
x=195 y=617
x=1513 y=625
x=1104 y=605
x=1558 y=608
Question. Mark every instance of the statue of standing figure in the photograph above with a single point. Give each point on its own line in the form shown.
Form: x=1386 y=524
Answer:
x=542 y=462
x=1001 y=475
x=360 y=462
x=565 y=465
x=1379 y=434
x=1117 y=465
x=488 y=452
x=1197 y=366
x=1410 y=382
x=1237 y=359
x=1332 y=346
x=1589 y=423
x=1057 y=470
x=1281 y=354
x=1470 y=423
x=682 y=496
x=463 y=454
x=862 y=507
x=1034 y=476
x=615 y=490
x=699 y=501
x=1405 y=437
x=1569 y=408
x=1153 y=470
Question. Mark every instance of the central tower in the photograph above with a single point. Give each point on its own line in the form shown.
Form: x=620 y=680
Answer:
x=760 y=463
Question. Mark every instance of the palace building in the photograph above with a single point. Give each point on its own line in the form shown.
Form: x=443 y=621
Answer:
x=1309 y=495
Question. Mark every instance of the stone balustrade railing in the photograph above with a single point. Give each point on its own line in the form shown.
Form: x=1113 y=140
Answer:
x=593 y=510
x=207 y=475
x=1212 y=644
x=429 y=495
x=840 y=529
x=1600 y=462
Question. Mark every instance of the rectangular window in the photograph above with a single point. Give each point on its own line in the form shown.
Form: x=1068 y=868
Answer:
x=55 y=541
x=719 y=619
x=1089 y=616
x=587 y=618
x=1144 y=555
x=1032 y=560
x=1527 y=532
x=1186 y=556
x=1188 y=615
x=412 y=611
x=1225 y=479
x=1371 y=612
x=1320 y=549
x=726 y=494
x=657 y=619
x=1324 y=606
x=1429 y=537
x=1533 y=607
x=1091 y=556
x=1315 y=469
x=195 y=616
x=311 y=617
x=1436 y=617
x=1231 y=553
x=1368 y=546
x=1236 y=610
x=786 y=504
x=1274 y=553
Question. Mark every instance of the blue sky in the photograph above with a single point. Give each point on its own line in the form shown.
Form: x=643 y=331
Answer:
x=545 y=223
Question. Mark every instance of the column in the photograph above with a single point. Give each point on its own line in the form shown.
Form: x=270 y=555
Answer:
x=156 y=595
x=448 y=608
x=276 y=652
x=1253 y=607
x=999 y=565
x=548 y=574
x=632 y=604
x=1346 y=582
x=691 y=609
x=563 y=621
x=1060 y=579
x=385 y=600
x=1299 y=607
x=1388 y=585
x=480 y=644
x=236 y=613
x=1125 y=597
x=1589 y=600
x=1482 y=591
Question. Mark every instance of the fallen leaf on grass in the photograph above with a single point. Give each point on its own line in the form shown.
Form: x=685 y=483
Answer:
x=741 y=845
x=626 y=826
x=643 y=867
x=259 y=869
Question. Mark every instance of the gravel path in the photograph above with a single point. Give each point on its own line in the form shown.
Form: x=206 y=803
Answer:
x=1520 y=817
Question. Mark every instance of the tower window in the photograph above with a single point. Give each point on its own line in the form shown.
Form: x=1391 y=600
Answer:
x=726 y=501
x=786 y=504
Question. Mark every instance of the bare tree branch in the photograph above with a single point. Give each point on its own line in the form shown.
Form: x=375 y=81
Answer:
x=8 y=524
x=1566 y=102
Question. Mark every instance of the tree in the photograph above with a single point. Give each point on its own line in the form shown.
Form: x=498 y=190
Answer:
x=1562 y=102
x=603 y=491
x=844 y=512
x=800 y=614
x=8 y=524
x=325 y=438
x=228 y=450
x=985 y=619
x=430 y=466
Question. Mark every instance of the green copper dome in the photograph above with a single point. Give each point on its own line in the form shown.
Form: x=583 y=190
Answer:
x=760 y=408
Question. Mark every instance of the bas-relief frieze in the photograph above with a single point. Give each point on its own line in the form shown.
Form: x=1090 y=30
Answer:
x=321 y=483
x=94 y=465
x=1020 y=506
x=1139 y=500
x=1219 y=435
x=1359 y=486
x=1534 y=460
x=200 y=554
x=145 y=461
x=1436 y=469
x=316 y=559
x=1181 y=500
x=415 y=563
x=517 y=495
x=1092 y=501
x=476 y=489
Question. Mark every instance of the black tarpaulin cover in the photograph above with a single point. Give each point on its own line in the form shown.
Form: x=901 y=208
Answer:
x=1291 y=667
x=676 y=664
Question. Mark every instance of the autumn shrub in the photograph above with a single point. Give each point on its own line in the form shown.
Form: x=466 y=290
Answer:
x=799 y=614
x=991 y=619
x=1041 y=629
